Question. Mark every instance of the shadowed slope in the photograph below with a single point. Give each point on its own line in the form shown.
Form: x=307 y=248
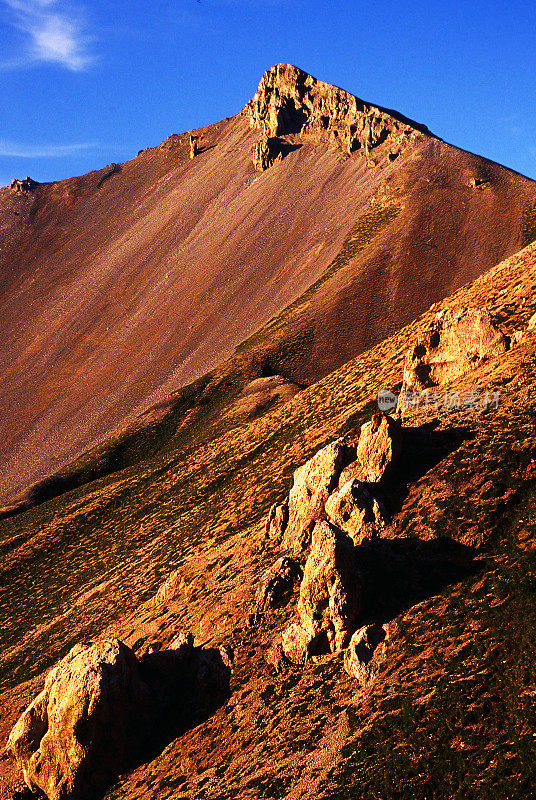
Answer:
x=124 y=284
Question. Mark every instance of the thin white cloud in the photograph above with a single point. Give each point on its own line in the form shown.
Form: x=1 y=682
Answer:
x=54 y=33
x=14 y=150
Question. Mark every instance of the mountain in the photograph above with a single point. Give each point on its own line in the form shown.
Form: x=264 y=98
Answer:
x=178 y=542
x=304 y=230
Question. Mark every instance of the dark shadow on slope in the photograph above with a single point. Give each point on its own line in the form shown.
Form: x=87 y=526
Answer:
x=423 y=448
x=184 y=700
x=399 y=573
x=115 y=168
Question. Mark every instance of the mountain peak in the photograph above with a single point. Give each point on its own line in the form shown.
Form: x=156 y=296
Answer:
x=290 y=101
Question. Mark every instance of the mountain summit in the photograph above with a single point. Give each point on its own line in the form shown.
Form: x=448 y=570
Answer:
x=303 y=230
x=289 y=101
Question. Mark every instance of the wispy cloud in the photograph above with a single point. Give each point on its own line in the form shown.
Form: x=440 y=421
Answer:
x=54 y=33
x=14 y=150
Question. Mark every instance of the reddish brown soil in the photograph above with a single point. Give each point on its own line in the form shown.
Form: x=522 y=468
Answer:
x=116 y=289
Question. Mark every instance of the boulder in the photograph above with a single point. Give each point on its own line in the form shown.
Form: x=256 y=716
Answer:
x=353 y=509
x=277 y=521
x=173 y=588
x=330 y=597
x=455 y=343
x=277 y=584
x=380 y=444
x=71 y=740
x=313 y=483
x=353 y=471
x=298 y=643
x=101 y=708
x=366 y=652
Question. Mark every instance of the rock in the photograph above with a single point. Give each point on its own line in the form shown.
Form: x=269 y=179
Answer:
x=101 y=708
x=25 y=185
x=266 y=152
x=173 y=588
x=194 y=149
x=330 y=597
x=277 y=584
x=353 y=472
x=532 y=323
x=313 y=483
x=298 y=643
x=277 y=521
x=353 y=509
x=75 y=735
x=380 y=444
x=289 y=102
x=455 y=343
x=366 y=652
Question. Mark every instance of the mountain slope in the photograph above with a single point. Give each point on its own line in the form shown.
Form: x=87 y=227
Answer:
x=122 y=285
x=451 y=713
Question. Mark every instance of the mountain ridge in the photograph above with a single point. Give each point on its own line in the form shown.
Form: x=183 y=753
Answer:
x=121 y=286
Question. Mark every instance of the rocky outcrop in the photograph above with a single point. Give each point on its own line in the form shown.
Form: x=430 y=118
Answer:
x=313 y=483
x=455 y=343
x=366 y=652
x=289 y=101
x=24 y=185
x=353 y=509
x=174 y=587
x=277 y=584
x=194 y=148
x=277 y=521
x=101 y=706
x=379 y=446
x=330 y=597
x=266 y=151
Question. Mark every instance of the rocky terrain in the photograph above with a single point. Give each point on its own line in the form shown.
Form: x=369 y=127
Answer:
x=428 y=689
x=260 y=588
x=363 y=220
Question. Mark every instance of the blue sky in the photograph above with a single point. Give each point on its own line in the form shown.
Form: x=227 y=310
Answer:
x=86 y=83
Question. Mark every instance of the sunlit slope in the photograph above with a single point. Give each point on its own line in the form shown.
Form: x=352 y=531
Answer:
x=125 y=284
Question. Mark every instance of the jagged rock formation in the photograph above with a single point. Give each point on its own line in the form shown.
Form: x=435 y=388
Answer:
x=366 y=652
x=289 y=101
x=265 y=152
x=379 y=446
x=330 y=597
x=353 y=509
x=332 y=485
x=456 y=342
x=276 y=521
x=101 y=707
x=313 y=483
x=194 y=149
x=24 y=184
x=277 y=583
